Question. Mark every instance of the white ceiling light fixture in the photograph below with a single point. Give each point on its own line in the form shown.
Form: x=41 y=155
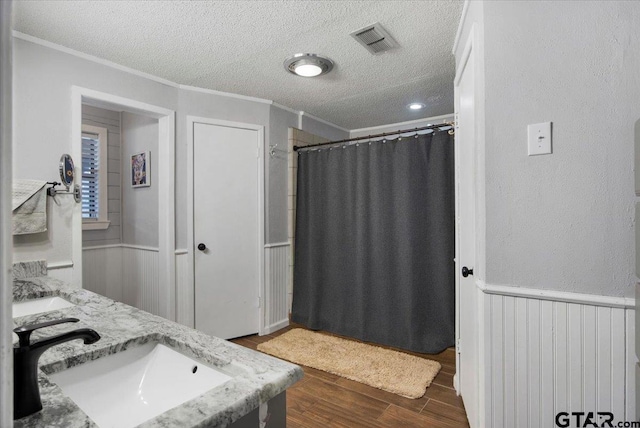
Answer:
x=416 y=106
x=308 y=65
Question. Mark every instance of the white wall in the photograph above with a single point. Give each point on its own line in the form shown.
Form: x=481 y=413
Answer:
x=562 y=221
x=139 y=204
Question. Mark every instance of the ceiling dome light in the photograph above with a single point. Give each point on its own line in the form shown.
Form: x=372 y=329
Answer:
x=307 y=70
x=416 y=106
x=308 y=65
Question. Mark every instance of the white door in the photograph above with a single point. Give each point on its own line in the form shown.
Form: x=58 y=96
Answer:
x=226 y=230
x=467 y=312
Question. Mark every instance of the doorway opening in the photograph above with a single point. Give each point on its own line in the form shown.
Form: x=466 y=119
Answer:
x=158 y=126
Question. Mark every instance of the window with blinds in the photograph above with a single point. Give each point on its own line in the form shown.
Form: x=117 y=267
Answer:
x=90 y=176
x=94 y=178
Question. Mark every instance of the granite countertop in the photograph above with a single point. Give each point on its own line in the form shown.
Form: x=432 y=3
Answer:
x=256 y=378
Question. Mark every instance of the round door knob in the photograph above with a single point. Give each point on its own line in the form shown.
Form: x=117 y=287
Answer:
x=202 y=247
x=466 y=271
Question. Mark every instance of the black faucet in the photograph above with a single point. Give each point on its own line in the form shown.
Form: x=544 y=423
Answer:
x=26 y=393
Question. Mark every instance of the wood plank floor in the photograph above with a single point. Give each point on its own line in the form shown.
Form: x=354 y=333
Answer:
x=323 y=399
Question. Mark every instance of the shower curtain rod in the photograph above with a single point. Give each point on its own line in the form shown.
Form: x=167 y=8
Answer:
x=384 y=134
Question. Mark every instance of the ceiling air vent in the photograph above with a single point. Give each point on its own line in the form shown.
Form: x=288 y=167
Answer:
x=374 y=38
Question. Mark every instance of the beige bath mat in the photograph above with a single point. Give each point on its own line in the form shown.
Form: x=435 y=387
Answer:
x=392 y=371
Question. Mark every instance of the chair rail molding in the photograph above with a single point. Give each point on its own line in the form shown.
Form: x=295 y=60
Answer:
x=557 y=296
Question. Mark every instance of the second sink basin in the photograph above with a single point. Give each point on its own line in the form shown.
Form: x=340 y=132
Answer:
x=36 y=306
x=125 y=389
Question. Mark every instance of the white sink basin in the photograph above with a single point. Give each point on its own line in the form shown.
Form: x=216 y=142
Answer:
x=125 y=389
x=46 y=304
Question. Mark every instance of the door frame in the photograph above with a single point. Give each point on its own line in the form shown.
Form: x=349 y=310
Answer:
x=468 y=56
x=164 y=161
x=191 y=121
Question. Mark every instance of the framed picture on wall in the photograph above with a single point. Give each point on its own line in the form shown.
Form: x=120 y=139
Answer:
x=141 y=169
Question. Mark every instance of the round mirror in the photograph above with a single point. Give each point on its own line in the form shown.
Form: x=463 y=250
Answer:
x=66 y=170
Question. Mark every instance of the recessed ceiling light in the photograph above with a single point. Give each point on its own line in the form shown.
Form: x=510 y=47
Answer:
x=308 y=65
x=416 y=106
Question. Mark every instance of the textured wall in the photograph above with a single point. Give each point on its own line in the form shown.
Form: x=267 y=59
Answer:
x=563 y=221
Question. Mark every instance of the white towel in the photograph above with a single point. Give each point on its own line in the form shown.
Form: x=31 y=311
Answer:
x=29 y=205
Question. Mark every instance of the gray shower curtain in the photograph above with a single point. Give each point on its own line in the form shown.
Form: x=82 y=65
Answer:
x=374 y=244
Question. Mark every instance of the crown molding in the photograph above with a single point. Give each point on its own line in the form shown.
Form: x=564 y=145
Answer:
x=224 y=94
x=290 y=110
x=326 y=122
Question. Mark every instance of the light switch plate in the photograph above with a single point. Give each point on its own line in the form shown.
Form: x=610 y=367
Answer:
x=539 y=138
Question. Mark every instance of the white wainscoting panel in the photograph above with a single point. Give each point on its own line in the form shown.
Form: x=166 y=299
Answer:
x=631 y=363
x=185 y=312
x=102 y=270
x=125 y=273
x=276 y=288
x=140 y=284
x=549 y=356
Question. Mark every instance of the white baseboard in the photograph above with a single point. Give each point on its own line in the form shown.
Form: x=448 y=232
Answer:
x=275 y=327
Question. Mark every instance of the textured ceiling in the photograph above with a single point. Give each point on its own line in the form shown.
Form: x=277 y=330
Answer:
x=239 y=47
